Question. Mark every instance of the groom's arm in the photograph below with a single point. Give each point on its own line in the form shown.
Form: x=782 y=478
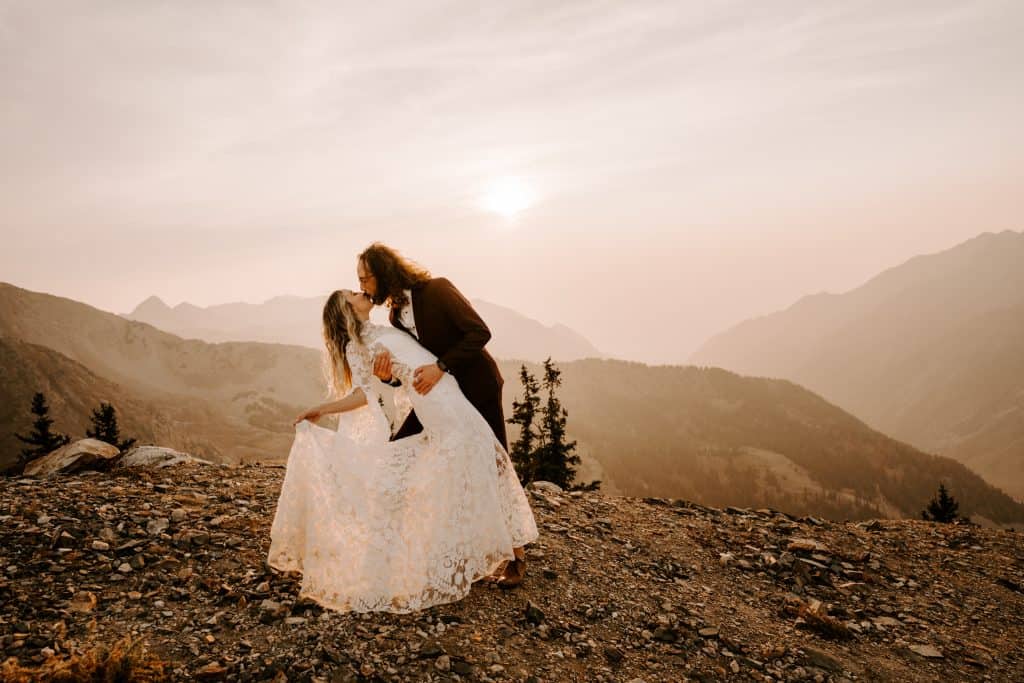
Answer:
x=474 y=331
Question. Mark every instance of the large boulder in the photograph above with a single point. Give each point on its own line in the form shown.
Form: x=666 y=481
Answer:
x=78 y=455
x=157 y=456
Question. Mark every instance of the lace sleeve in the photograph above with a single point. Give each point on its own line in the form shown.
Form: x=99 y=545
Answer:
x=400 y=399
x=367 y=424
x=360 y=364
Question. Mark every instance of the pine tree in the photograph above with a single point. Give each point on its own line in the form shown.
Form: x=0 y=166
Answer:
x=556 y=458
x=542 y=452
x=41 y=441
x=104 y=427
x=942 y=508
x=524 y=413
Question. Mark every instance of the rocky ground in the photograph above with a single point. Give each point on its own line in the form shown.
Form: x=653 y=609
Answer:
x=618 y=589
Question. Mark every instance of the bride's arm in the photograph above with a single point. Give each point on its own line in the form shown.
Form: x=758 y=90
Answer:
x=355 y=399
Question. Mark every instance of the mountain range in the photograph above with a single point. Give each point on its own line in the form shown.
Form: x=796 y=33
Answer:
x=234 y=400
x=930 y=351
x=670 y=431
x=296 y=320
x=73 y=391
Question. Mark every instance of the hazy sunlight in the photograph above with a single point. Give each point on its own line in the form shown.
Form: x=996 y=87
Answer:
x=507 y=197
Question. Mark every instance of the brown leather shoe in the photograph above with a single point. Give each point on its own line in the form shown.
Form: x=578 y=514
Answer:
x=496 y=575
x=514 y=573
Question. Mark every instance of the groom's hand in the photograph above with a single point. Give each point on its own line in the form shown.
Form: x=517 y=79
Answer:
x=382 y=366
x=425 y=377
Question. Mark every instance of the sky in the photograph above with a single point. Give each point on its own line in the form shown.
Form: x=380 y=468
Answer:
x=647 y=173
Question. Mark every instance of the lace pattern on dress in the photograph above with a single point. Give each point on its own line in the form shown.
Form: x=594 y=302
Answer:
x=401 y=370
x=398 y=526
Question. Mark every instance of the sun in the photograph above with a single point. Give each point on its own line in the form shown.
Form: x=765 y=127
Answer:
x=507 y=197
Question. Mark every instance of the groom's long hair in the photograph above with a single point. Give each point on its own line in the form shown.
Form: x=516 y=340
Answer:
x=394 y=273
x=340 y=326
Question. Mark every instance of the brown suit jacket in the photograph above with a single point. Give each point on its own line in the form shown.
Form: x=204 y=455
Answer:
x=449 y=327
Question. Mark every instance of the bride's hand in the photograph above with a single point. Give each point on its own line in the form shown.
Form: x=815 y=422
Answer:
x=313 y=414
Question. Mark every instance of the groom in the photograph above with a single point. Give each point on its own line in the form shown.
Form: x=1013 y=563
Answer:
x=433 y=311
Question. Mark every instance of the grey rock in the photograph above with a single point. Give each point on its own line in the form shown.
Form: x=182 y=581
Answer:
x=462 y=668
x=157 y=456
x=822 y=660
x=545 y=487
x=927 y=651
x=665 y=634
x=157 y=526
x=533 y=614
x=613 y=654
x=75 y=456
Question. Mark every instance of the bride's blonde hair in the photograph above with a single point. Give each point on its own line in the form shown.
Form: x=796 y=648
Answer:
x=340 y=326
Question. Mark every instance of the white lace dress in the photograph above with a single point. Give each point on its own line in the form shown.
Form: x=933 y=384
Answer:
x=397 y=526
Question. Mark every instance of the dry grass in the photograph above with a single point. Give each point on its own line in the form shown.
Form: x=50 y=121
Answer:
x=814 y=616
x=126 y=661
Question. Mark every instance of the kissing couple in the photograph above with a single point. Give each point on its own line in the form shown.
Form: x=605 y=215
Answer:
x=397 y=522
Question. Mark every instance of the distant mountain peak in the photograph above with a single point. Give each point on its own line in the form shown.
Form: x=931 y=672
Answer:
x=1002 y=235
x=290 y=319
x=925 y=350
x=152 y=305
x=285 y=298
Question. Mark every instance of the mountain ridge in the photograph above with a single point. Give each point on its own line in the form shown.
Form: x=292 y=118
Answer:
x=709 y=433
x=295 y=320
x=907 y=341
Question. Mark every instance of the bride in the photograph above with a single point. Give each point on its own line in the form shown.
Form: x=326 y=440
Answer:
x=395 y=526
